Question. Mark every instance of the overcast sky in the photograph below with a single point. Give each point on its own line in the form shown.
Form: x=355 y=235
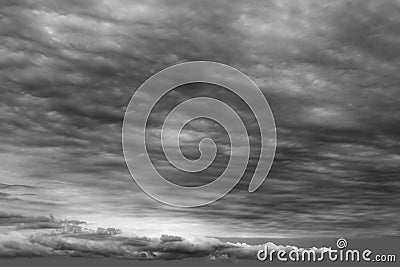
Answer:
x=329 y=69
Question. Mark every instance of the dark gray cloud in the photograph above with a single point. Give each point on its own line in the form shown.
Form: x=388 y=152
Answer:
x=328 y=69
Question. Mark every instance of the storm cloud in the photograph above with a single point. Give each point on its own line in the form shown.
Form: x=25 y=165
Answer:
x=328 y=69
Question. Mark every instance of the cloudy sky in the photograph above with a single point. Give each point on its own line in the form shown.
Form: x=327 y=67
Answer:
x=329 y=70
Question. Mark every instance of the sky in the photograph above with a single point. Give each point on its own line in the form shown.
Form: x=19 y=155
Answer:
x=329 y=70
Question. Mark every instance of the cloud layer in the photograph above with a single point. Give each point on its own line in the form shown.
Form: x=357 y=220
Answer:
x=43 y=236
x=328 y=69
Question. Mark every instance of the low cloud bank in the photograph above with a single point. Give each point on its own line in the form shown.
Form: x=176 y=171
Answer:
x=22 y=236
